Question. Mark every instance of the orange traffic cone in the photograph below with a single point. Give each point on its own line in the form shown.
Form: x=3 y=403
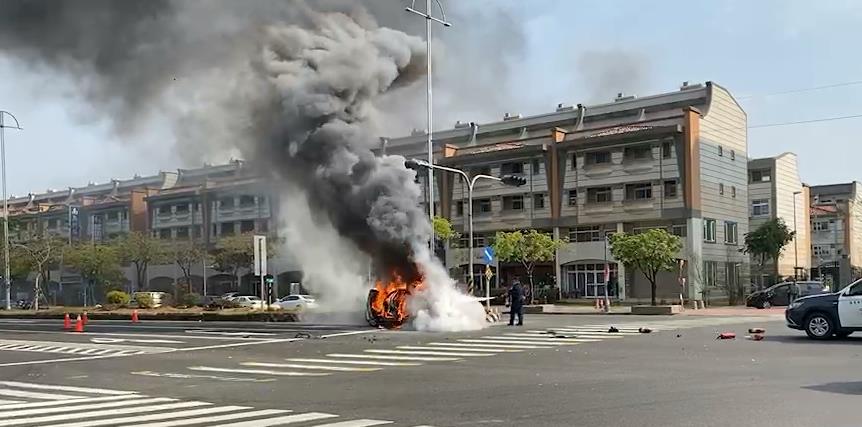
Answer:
x=67 y=323
x=84 y=318
x=134 y=316
x=79 y=324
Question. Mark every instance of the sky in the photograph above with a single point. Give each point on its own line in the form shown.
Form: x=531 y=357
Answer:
x=565 y=52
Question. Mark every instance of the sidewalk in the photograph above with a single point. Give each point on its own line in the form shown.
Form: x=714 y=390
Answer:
x=622 y=309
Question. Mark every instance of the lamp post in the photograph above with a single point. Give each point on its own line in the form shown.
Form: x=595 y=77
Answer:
x=795 y=247
x=511 y=180
x=428 y=18
x=6 y=273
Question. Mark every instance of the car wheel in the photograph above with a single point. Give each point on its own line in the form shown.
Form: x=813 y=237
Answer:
x=819 y=326
x=765 y=304
x=843 y=334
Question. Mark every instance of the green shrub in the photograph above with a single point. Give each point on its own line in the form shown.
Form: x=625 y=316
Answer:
x=144 y=300
x=191 y=299
x=118 y=297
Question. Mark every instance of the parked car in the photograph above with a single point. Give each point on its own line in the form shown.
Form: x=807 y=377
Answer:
x=779 y=294
x=826 y=315
x=296 y=303
x=229 y=296
x=247 y=301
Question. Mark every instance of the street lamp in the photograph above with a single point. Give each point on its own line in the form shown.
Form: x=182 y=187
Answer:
x=795 y=245
x=6 y=273
x=510 y=180
x=428 y=18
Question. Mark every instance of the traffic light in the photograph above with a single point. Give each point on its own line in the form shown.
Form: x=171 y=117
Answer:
x=513 y=180
x=269 y=281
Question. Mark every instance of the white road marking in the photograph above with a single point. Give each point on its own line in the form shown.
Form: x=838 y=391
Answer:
x=478 y=344
x=541 y=340
x=35 y=395
x=156 y=417
x=520 y=344
x=567 y=335
x=208 y=377
x=356 y=423
x=238 y=344
x=66 y=402
x=217 y=418
x=354 y=362
x=145 y=341
x=301 y=366
x=119 y=334
x=382 y=357
x=65 y=388
x=287 y=419
x=427 y=353
x=341 y=334
x=96 y=414
x=230 y=334
x=82 y=407
x=6 y=402
x=258 y=371
x=455 y=348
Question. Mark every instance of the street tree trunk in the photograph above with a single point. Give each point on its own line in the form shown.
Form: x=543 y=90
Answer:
x=36 y=291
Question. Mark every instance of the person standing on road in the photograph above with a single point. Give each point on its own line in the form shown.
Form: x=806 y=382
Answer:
x=516 y=296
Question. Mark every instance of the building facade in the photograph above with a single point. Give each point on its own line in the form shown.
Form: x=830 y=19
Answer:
x=676 y=161
x=836 y=232
x=775 y=190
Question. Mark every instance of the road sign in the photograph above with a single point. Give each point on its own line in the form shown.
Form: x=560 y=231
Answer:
x=488 y=273
x=489 y=254
x=259 y=255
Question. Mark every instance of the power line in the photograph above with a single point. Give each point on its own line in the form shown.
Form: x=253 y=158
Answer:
x=810 y=89
x=802 y=122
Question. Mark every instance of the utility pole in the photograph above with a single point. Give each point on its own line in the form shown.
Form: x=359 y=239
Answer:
x=6 y=281
x=428 y=18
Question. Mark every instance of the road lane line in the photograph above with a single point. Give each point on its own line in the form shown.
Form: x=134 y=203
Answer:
x=455 y=348
x=495 y=343
x=217 y=418
x=66 y=402
x=65 y=388
x=566 y=335
x=67 y=359
x=97 y=414
x=354 y=362
x=540 y=340
x=120 y=334
x=83 y=407
x=36 y=395
x=466 y=346
x=342 y=334
x=258 y=371
x=301 y=366
x=156 y=417
x=287 y=419
x=230 y=334
x=384 y=357
x=7 y=402
x=356 y=423
x=427 y=353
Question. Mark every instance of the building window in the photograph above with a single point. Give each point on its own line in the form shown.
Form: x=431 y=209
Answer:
x=732 y=155
x=666 y=150
x=246 y=226
x=598 y=158
x=762 y=175
x=182 y=232
x=820 y=226
x=226 y=203
x=760 y=207
x=573 y=197
x=163 y=210
x=709 y=273
x=113 y=216
x=125 y=215
x=599 y=195
x=574 y=161
x=511 y=168
x=821 y=250
x=720 y=188
x=670 y=189
x=482 y=170
x=227 y=229
x=539 y=201
x=638 y=153
x=459 y=208
x=709 y=230
x=165 y=233
x=182 y=208
x=263 y=226
x=482 y=206
x=730 y=233
x=642 y=191
x=589 y=233
x=535 y=166
x=513 y=203
x=679 y=230
x=197 y=231
x=733 y=191
x=720 y=151
x=246 y=201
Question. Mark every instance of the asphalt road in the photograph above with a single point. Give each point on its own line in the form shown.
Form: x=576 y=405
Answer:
x=251 y=374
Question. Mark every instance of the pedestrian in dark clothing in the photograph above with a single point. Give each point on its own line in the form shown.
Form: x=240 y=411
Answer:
x=516 y=296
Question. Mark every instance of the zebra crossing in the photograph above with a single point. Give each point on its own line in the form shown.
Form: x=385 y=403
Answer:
x=55 y=406
x=79 y=348
x=505 y=341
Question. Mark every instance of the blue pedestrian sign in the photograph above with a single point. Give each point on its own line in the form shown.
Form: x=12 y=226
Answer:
x=489 y=254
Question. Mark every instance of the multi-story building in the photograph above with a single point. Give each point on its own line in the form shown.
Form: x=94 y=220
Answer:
x=836 y=232
x=776 y=191
x=676 y=161
x=168 y=205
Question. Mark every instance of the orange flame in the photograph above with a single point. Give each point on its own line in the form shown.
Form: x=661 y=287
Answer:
x=387 y=301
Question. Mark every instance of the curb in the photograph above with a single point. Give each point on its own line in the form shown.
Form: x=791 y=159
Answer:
x=194 y=317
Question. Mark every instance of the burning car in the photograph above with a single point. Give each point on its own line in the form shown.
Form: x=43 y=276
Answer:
x=387 y=302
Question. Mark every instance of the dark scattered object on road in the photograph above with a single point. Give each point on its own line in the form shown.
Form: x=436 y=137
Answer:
x=302 y=335
x=644 y=330
x=612 y=330
x=755 y=337
x=726 y=336
x=679 y=335
x=756 y=330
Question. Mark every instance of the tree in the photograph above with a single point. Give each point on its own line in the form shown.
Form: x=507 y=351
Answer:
x=528 y=248
x=236 y=252
x=186 y=255
x=650 y=252
x=768 y=241
x=40 y=252
x=140 y=250
x=97 y=264
x=443 y=229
